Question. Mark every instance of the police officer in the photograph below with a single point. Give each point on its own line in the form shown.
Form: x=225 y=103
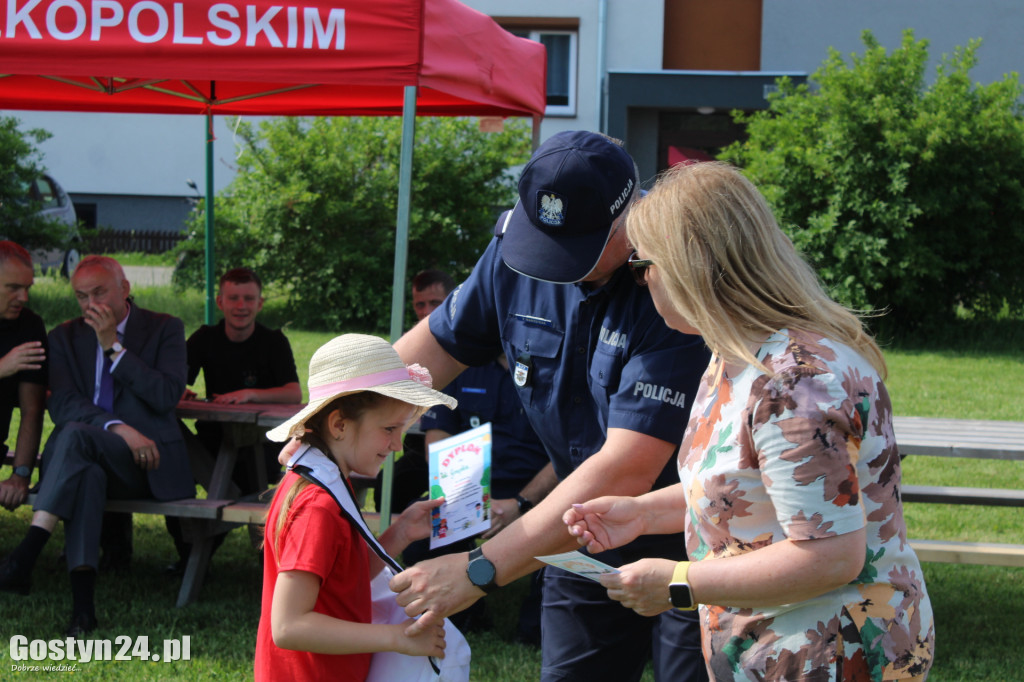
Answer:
x=606 y=385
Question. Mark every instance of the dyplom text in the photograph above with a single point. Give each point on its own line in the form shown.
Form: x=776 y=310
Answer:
x=148 y=21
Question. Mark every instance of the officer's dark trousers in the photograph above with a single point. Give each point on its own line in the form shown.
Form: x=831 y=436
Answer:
x=587 y=637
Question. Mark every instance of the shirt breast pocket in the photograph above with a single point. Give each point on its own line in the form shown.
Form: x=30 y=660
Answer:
x=605 y=372
x=539 y=347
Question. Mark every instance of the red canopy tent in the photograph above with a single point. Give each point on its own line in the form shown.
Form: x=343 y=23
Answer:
x=259 y=58
x=321 y=57
x=262 y=58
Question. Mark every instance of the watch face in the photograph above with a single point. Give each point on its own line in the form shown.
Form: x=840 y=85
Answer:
x=680 y=595
x=481 y=572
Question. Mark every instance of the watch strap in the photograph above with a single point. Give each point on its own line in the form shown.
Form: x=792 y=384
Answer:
x=680 y=586
x=681 y=571
x=524 y=504
x=114 y=349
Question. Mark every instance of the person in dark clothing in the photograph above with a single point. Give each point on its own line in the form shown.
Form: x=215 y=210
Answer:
x=23 y=370
x=242 y=361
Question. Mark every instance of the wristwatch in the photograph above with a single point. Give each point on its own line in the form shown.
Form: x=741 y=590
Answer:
x=481 y=571
x=23 y=471
x=114 y=350
x=679 y=593
x=524 y=504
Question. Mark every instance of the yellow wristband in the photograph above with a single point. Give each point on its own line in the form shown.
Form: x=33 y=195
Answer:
x=681 y=571
x=680 y=595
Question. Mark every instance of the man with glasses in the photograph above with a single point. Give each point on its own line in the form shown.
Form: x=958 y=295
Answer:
x=117 y=373
x=593 y=362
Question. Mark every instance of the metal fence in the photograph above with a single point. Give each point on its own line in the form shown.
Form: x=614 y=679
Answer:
x=116 y=241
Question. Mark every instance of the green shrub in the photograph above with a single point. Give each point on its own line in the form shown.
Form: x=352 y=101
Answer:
x=313 y=209
x=905 y=196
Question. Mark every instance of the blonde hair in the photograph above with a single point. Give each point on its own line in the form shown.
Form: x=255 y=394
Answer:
x=352 y=406
x=729 y=270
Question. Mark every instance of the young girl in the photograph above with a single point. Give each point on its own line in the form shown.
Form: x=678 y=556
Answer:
x=316 y=615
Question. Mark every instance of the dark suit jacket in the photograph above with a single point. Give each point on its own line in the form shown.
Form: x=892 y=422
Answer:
x=148 y=382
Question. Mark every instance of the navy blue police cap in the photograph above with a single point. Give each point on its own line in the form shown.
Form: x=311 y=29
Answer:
x=571 y=191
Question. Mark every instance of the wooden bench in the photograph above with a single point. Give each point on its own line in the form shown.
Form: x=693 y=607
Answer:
x=992 y=497
x=984 y=553
x=971 y=439
x=191 y=508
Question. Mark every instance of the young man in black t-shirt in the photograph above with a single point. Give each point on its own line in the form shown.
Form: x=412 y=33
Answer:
x=242 y=362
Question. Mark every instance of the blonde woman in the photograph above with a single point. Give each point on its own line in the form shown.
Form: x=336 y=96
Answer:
x=790 y=495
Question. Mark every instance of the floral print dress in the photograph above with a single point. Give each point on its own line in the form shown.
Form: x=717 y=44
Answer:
x=809 y=453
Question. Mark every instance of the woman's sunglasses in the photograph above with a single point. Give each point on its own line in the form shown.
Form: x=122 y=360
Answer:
x=638 y=266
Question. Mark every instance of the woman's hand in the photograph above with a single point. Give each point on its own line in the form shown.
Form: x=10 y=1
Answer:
x=642 y=585
x=605 y=523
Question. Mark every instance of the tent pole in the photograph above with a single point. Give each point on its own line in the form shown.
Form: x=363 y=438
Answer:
x=208 y=136
x=401 y=258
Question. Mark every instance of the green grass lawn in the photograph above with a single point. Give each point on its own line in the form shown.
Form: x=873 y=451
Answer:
x=978 y=608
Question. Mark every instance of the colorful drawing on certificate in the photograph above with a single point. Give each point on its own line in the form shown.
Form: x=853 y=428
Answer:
x=578 y=563
x=460 y=472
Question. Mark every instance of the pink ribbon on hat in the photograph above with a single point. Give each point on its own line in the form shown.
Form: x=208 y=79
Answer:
x=413 y=372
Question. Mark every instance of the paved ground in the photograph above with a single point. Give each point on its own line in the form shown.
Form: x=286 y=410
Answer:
x=144 y=276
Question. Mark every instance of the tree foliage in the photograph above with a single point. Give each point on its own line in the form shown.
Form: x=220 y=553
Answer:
x=906 y=197
x=313 y=209
x=20 y=164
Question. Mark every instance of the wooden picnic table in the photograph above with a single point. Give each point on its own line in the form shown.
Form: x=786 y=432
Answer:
x=971 y=439
x=974 y=438
x=243 y=425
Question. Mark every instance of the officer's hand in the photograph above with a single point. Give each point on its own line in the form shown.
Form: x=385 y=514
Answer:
x=435 y=588
x=605 y=523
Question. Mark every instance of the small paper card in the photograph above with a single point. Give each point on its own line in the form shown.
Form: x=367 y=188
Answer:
x=578 y=563
x=460 y=472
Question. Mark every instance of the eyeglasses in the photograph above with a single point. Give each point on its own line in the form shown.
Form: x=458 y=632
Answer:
x=638 y=266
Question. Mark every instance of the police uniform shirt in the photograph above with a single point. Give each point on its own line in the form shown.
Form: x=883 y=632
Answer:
x=584 y=360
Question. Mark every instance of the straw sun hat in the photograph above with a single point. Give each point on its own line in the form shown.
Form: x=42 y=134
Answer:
x=351 y=363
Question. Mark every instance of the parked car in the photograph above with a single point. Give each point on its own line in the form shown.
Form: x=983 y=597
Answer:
x=57 y=207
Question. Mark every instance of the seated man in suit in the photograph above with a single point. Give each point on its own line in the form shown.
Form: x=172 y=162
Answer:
x=22 y=370
x=117 y=373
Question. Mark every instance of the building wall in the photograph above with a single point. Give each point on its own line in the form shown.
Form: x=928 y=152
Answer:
x=634 y=42
x=133 y=213
x=132 y=168
x=798 y=33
